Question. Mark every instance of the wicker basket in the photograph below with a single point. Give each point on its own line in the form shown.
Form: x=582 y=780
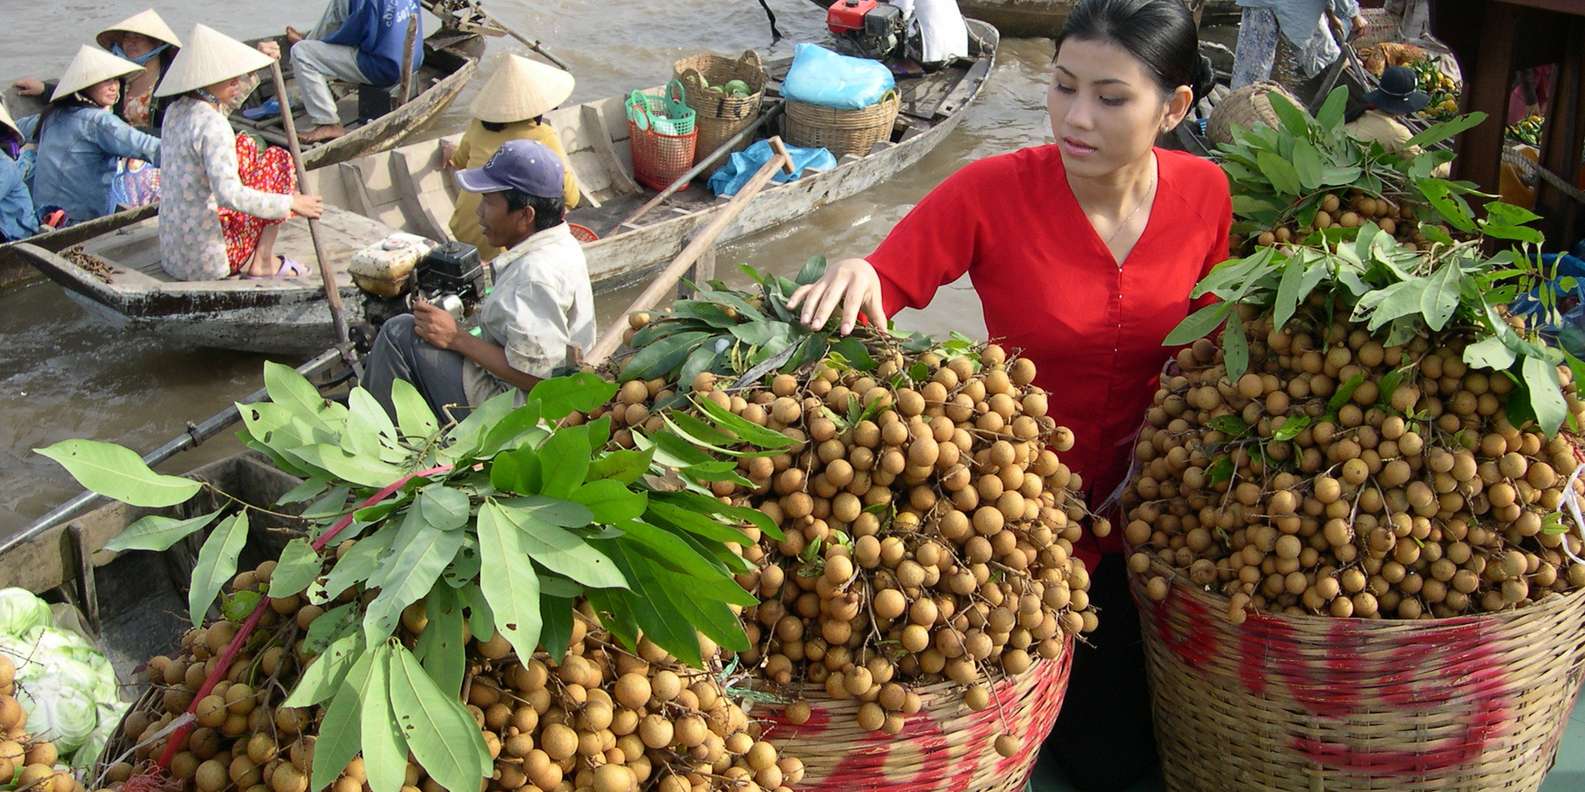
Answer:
x=1306 y=703
x=942 y=748
x=1245 y=107
x=843 y=132
x=720 y=115
x=662 y=145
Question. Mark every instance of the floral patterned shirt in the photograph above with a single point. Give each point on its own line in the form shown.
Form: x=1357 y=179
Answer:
x=198 y=174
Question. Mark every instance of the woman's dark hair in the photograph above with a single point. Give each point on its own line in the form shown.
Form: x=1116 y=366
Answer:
x=548 y=212
x=1160 y=33
x=497 y=126
x=54 y=108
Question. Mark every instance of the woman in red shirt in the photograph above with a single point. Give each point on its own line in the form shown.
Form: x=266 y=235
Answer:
x=1083 y=254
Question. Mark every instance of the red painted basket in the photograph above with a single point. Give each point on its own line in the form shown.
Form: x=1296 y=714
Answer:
x=943 y=748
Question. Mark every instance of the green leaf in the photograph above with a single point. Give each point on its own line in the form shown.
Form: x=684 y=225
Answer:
x=742 y=514
x=1198 y=324
x=464 y=438
x=1221 y=470
x=1235 y=348
x=1288 y=292
x=367 y=424
x=119 y=474
x=745 y=430
x=412 y=412
x=693 y=522
x=323 y=677
x=481 y=619
x=384 y=745
x=1307 y=164
x=1230 y=425
x=439 y=731
x=1330 y=116
x=563 y=513
x=559 y=397
x=1338 y=175
x=308 y=489
x=157 y=533
x=1440 y=298
x=329 y=627
x=762 y=333
x=298 y=567
x=623 y=466
x=1295 y=122
x=1344 y=393
x=1509 y=215
x=556 y=614
x=562 y=551
x=611 y=502
x=1284 y=179
x=702 y=359
x=508 y=579
x=360 y=562
x=355 y=468
x=1546 y=393
x=1291 y=428
x=662 y=356
x=519 y=425
x=330 y=505
x=1439 y=194
x=564 y=461
x=217 y=564
x=811 y=271
x=517 y=470
x=237 y=606
x=413 y=570
x=291 y=390
x=1436 y=133
x=855 y=353
x=444 y=508
x=440 y=647
x=340 y=735
x=710 y=617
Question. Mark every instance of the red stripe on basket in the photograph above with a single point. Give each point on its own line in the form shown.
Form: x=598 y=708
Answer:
x=1198 y=646
x=1268 y=648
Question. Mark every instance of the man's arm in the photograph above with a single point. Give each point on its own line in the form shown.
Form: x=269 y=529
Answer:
x=440 y=329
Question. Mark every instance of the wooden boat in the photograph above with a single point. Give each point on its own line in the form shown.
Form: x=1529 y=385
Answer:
x=135 y=602
x=118 y=274
x=450 y=60
x=1043 y=18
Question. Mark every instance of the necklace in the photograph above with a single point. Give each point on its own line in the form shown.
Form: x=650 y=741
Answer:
x=1140 y=204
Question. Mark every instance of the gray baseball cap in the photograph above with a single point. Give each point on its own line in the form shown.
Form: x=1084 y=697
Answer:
x=522 y=165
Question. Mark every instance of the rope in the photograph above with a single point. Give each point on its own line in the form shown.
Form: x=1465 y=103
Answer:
x=1531 y=170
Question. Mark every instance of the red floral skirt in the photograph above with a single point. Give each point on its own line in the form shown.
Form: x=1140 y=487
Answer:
x=269 y=170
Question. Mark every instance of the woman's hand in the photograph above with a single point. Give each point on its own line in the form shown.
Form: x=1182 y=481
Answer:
x=1357 y=26
x=271 y=49
x=435 y=325
x=851 y=283
x=310 y=206
x=28 y=86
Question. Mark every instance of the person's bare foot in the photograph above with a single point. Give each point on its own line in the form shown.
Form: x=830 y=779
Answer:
x=320 y=134
x=293 y=35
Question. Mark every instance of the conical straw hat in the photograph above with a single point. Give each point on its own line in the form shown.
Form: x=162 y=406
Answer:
x=91 y=66
x=521 y=89
x=7 y=121
x=209 y=57
x=147 y=23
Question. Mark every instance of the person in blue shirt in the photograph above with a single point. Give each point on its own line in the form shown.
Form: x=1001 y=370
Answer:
x=17 y=219
x=356 y=41
x=80 y=141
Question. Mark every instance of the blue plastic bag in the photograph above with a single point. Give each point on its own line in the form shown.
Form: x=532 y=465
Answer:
x=821 y=77
x=1569 y=284
x=731 y=177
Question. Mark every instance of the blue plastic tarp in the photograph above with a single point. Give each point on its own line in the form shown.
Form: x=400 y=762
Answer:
x=731 y=177
x=821 y=77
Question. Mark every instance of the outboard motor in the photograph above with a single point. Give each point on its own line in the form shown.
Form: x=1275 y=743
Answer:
x=871 y=28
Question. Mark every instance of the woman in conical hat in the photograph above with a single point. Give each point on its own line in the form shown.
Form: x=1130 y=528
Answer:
x=221 y=199
x=80 y=142
x=146 y=40
x=17 y=219
x=511 y=106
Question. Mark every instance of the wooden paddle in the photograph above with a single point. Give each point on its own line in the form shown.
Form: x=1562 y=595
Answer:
x=327 y=269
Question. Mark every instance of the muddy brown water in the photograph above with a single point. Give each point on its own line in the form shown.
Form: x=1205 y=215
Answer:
x=64 y=373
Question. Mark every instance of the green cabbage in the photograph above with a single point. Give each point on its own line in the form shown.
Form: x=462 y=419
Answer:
x=109 y=720
x=64 y=683
x=21 y=612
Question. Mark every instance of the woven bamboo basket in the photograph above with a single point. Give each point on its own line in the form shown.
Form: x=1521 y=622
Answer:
x=1245 y=107
x=1305 y=703
x=721 y=115
x=843 y=132
x=120 y=746
x=942 y=748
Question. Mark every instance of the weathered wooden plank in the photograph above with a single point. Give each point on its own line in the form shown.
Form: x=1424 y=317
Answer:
x=594 y=122
x=418 y=216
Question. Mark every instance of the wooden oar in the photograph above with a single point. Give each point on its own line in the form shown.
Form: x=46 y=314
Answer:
x=699 y=167
x=327 y=268
x=407 y=61
x=665 y=282
x=532 y=45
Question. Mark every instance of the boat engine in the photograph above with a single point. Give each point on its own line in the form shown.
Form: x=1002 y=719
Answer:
x=394 y=273
x=451 y=277
x=872 y=28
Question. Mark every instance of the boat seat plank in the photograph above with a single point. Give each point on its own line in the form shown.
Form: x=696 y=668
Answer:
x=417 y=215
x=353 y=180
x=594 y=121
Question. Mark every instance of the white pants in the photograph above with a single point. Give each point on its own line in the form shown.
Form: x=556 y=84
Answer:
x=315 y=63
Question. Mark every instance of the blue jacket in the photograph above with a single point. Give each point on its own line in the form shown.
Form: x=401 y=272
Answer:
x=77 y=155
x=378 y=28
x=17 y=219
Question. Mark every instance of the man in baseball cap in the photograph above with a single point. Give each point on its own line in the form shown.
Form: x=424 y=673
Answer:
x=539 y=316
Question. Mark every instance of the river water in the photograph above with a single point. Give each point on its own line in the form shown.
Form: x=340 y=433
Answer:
x=64 y=374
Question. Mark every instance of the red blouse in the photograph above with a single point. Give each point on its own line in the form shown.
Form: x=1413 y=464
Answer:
x=1051 y=288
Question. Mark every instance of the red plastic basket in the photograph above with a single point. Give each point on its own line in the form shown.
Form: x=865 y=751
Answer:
x=583 y=233
x=660 y=159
